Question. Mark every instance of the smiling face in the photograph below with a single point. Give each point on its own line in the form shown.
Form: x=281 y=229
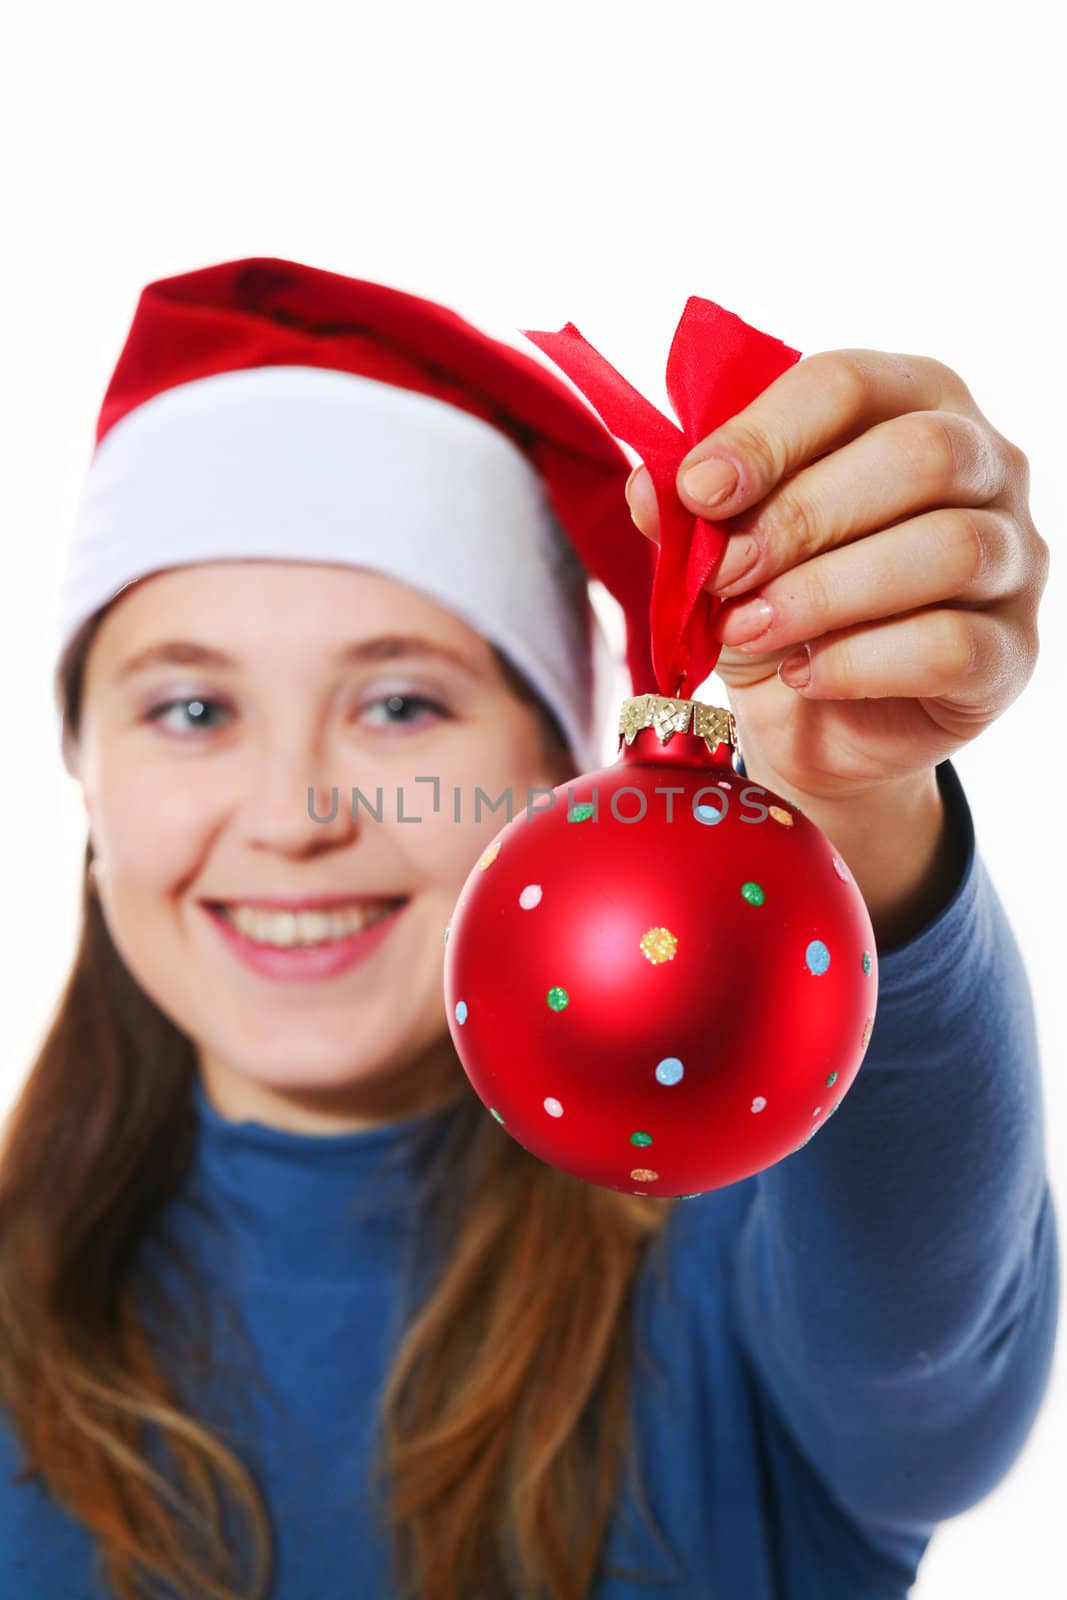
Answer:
x=196 y=773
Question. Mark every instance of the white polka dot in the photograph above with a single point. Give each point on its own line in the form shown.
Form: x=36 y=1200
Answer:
x=530 y=896
x=841 y=869
x=670 y=1070
x=724 y=785
x=759 y=1103
x=815 y=1113
x=553 y=1108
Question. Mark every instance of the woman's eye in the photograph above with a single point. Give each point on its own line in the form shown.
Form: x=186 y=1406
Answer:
x=397 y=707
x=199 y=713
x=191 y=713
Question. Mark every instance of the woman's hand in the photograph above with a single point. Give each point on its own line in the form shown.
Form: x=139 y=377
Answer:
x=884 y=522
x=887 y=525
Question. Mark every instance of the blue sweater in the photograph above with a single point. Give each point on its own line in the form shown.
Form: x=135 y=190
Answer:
x=845 y=1350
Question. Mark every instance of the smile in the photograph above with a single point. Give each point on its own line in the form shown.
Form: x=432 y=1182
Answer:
x=303 y=946
x=285 y=929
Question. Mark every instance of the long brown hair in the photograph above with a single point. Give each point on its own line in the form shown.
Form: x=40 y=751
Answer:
x=505 y=1425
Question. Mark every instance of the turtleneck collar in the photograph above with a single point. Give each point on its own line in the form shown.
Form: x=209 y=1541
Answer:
x=307 y=1206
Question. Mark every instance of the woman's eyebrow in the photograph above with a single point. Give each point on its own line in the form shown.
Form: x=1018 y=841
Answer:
x=382 y=647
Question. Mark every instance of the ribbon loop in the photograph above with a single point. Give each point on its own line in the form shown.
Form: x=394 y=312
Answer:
x=716 y=366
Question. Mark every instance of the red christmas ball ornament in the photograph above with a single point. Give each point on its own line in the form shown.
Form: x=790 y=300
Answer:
x=662 y=978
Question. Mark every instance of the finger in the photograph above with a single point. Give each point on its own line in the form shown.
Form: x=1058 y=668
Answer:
x=973 y=659
x=966 y=556
x=908 y=464
x=819 y=402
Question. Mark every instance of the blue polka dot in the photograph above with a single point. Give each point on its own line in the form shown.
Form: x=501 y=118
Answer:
x=670 y=1070
x=708 y=814
x=817 y=957
x=461 y=1010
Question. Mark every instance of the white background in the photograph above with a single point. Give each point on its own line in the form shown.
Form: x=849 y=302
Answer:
x=838 y=175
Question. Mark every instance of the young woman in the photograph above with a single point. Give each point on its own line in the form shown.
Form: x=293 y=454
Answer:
x=283 y=1311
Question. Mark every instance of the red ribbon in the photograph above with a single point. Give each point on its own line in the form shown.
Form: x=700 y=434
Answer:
x=716 y=366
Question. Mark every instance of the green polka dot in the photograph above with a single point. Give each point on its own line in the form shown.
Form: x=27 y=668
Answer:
x=695 y=1196
x=496 y=1113
x=557 y=998
x=582 y=812
x=753 y=894
x=446 y=935
x=640 y=1138
x=866 y=961
x=831 y=1080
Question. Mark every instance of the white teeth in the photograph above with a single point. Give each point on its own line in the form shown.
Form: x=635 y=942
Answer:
x=287 y=928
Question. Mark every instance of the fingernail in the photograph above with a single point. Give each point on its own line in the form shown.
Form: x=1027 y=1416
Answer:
x=747 y=622
x=641 y=498
x=795 y=669
x=711 y=482
x=633 y=473
x=739 y=559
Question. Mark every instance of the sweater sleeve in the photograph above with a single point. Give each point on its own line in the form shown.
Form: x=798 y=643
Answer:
x=897 y=1278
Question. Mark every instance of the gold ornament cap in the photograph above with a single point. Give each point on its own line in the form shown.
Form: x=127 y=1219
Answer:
x=668 y=716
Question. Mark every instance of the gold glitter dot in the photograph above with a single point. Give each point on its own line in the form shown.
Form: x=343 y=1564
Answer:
x=781 y=816
x=659 y=944
x=644 y=1175
x=867 y=1026
x=490 y=855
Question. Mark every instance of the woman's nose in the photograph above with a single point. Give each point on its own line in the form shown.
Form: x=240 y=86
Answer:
x=295 y=803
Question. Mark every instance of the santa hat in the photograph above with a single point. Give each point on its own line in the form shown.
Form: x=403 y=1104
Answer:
x=263 y=409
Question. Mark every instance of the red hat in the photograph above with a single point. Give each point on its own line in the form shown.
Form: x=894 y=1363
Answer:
x=263 y=408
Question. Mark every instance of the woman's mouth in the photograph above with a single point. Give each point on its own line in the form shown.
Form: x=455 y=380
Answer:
x=285 y=929
x=304 y=944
